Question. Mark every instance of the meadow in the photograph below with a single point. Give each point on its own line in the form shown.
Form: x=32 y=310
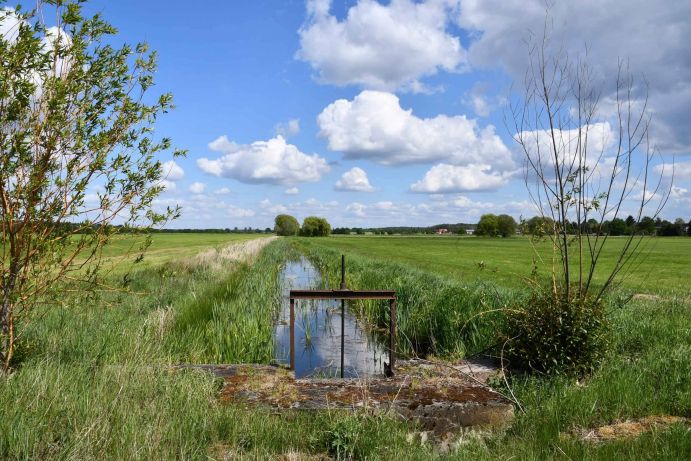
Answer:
x=663 y=266
x=95 y=377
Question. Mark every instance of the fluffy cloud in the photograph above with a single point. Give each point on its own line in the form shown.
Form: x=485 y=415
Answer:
x=354 y=180
x=445 y=178
x=311 y=206
x=600 y=140
x=654 y=42
x=9 y=24
x=263 y=162
x=380 y=46
x=290 y=128
x=292 y=191
x=222 y=191
x=171 y=171
x=454 y=209
x=197 y=187
x=680 y=170
x=373 y=126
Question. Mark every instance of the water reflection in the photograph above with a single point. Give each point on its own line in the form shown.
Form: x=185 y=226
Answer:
x=318 y=332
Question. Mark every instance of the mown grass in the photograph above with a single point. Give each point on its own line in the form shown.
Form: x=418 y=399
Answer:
x=508 y=262
x=166 y=247
x=95 y=379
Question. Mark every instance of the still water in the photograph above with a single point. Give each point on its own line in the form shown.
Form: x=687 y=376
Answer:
x=318 y=332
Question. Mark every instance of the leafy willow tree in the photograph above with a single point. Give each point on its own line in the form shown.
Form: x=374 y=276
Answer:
x=286 y=225
x=77 y=155
x=314 y=226
x=506 y=225
x=488 y=225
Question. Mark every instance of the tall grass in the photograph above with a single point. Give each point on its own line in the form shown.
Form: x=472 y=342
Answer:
x=231 y=320
x=96 y=382
x=435 y=314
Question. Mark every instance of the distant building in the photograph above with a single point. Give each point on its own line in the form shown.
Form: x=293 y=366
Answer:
x=442 y=231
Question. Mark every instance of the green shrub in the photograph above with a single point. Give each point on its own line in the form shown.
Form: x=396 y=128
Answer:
x=550 y=333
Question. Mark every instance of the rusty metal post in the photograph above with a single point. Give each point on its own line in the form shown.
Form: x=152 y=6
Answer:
x=292 y=334
x=342 y=315
x=392 y=333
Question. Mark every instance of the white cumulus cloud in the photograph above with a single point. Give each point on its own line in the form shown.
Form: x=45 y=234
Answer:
x=680 y=170
x=292 y=191
x=652 y=40
x=443 y=178
x=171 y=171
x=197 y=187
x=263 y=162
x=381 y=46
x=354 y=180
x=373 y=126
x=290 y=128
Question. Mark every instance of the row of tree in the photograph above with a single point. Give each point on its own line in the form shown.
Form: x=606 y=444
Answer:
x=312 y=226
x=540 y=225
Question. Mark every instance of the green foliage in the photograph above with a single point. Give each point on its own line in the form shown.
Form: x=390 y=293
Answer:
x=550 y=333
x=286 y=225
x=314 y=226
x=540 y=226
x=488 y=225
x=75 y=113
x=506 y=225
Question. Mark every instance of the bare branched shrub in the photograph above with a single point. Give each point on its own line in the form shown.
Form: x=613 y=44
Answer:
x=588 y=158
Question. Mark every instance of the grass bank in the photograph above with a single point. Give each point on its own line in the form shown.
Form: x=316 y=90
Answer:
x=96 y=379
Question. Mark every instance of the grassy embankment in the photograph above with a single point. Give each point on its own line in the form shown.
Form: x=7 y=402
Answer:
x=647 y=370
x=97 y=382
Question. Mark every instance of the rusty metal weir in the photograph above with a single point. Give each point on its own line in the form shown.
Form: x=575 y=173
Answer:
x=343 y=293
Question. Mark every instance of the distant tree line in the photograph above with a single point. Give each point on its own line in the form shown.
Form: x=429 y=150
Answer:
x=459 y=228
x=539 y=225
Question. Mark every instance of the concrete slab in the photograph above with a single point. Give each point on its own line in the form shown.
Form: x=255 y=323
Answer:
x=442 y=398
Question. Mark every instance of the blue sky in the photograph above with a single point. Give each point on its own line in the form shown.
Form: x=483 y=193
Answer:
x=379 y=113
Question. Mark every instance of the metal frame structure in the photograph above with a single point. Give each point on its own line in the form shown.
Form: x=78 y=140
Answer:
x=343 y=293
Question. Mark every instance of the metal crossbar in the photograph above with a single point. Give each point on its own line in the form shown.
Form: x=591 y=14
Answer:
x=344 y=294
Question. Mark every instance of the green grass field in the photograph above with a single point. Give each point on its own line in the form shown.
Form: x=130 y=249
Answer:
x=166 y=247
x=94 y=377
x=663 y=266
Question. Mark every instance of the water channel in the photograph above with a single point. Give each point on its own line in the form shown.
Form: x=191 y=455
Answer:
x=318 y=332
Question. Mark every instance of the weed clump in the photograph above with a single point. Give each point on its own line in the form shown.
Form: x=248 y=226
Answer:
x=553 y=332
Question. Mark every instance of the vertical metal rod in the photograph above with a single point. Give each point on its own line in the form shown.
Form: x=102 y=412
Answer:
x=342 y=315
x=343 y=272
x=342 y=334
x=292 y=334
x=392 y=333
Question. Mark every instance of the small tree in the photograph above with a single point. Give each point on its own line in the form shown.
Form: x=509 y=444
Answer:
x=581 y=164
x=286 y=225
x=77 y=155
x=488 y=225
x=506 y=225
x=314 y=226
